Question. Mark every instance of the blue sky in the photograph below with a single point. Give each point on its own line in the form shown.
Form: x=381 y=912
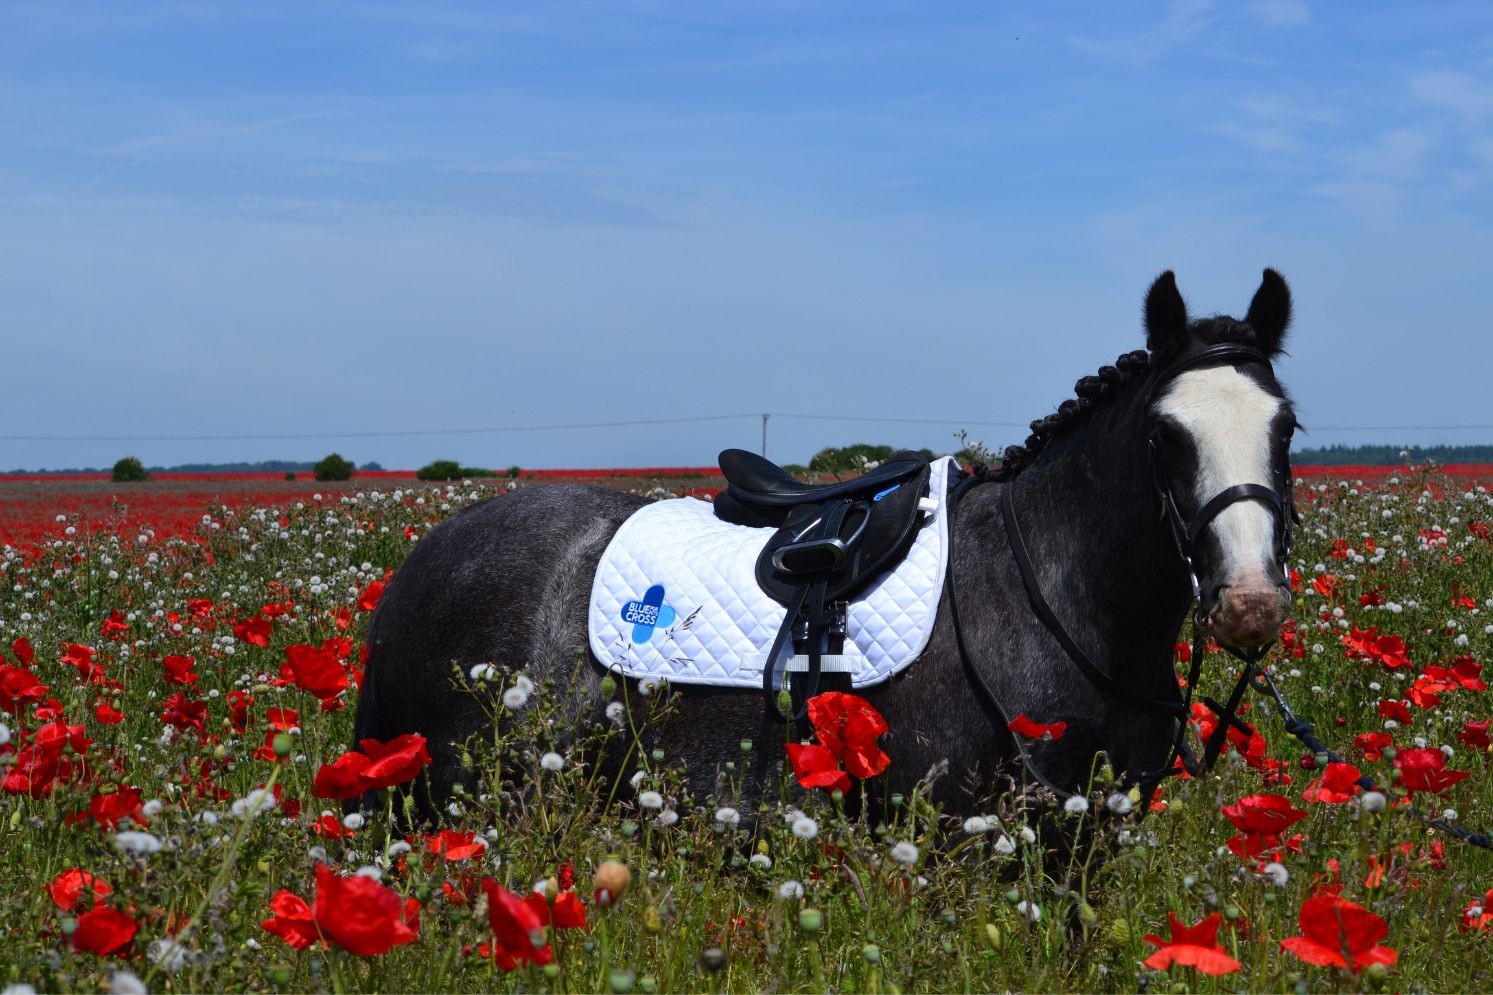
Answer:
x=285 y=219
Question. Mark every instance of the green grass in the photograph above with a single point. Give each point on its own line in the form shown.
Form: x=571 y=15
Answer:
x=711 y=906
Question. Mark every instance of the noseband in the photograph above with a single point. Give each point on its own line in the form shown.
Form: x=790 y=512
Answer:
x=1185 y=532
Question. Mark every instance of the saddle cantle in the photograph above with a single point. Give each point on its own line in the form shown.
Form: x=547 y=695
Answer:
x=831 y=540
x=759 y=492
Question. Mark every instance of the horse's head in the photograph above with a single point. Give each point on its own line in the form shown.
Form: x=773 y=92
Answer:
x=1220 y=448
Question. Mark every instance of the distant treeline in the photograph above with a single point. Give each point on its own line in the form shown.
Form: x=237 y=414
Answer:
x=1390 y=455
x=267 y=466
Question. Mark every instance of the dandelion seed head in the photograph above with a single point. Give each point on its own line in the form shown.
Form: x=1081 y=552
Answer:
x=905 y=854
x=552 y=762
x=805 y=828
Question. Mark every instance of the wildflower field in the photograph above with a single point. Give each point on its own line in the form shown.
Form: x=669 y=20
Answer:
x=176 y=700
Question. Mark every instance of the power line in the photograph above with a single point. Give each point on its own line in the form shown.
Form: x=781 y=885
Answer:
x=632 y=423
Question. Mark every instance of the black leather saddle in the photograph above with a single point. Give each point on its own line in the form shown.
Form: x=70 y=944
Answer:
x=831 y=541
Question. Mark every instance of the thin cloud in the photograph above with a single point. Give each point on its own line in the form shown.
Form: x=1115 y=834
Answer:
x=1183 y=21
x=1466 y=96
x=1281 y=13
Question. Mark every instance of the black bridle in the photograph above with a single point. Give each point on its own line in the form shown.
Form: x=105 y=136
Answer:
x=1185 y=534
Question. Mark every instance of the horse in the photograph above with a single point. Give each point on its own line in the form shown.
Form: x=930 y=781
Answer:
x=1161 y=487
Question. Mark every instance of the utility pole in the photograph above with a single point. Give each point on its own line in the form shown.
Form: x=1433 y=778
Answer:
x=764 y=434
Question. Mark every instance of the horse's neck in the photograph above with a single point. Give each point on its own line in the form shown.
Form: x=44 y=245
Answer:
x=1108 y=563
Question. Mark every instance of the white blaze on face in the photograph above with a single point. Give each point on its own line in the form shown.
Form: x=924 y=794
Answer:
x=1229 y=416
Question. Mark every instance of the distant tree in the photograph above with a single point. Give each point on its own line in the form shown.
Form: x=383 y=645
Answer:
x=449 y=469
x=129 y=470
x=334 y=467
x=855 y=459
x=441 y=469
x=372 y=466
x=289 y=474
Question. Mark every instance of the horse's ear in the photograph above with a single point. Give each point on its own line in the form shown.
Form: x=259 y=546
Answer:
x=1166 y=316
x=1270 y=312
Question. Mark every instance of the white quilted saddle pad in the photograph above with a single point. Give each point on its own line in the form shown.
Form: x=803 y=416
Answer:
x=676 y=596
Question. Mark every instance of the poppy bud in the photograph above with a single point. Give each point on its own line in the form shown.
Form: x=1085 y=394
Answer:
x=608 y=686
x=620 y=982
x=872 y=953
x=653 y=923
x=993 y=936
x=611 y=881
x=810 y=920
x=712 y=958
x=647 y=985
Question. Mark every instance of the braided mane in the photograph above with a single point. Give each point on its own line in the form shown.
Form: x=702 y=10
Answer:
x=1093 y=392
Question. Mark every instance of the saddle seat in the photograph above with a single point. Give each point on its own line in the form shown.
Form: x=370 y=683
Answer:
x=759 y=492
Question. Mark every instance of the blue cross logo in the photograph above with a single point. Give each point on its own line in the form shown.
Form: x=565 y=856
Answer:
x=649 y=614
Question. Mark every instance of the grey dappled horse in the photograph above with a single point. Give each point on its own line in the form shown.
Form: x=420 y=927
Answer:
x=507 y=581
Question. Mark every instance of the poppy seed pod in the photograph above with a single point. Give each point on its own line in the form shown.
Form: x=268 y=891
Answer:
x=611 y=881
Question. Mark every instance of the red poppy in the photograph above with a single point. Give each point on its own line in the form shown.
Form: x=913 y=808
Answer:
x=329 y=827
x=53 y=736
x=341 y=778
x=358 y=914
x=184 y=714
x=238 y=710
x=394 y=762
x=1474 y=735
x=1373 y=744
x=1397 y=710
x=111 y=809
x=567 y=912
x=847 y=726
x=18 y=688
x=316 y=669
x=1425 y=770
x=114 y=626
x=72 y=884
x=108 y=715
x=23 y=651
x=518 y=930
x=454 y=846
x=1338 y=933
x=179 y=669
x=1263 y=814
x=368 y=600
x=82 y=658
x=1338 y=783
x=104 y=931
x=1192 y=946
x=281 y=719
x=292 y=921
x=1477 y=917
x=1023 y=726
x=255 y=631
x=816 y=767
